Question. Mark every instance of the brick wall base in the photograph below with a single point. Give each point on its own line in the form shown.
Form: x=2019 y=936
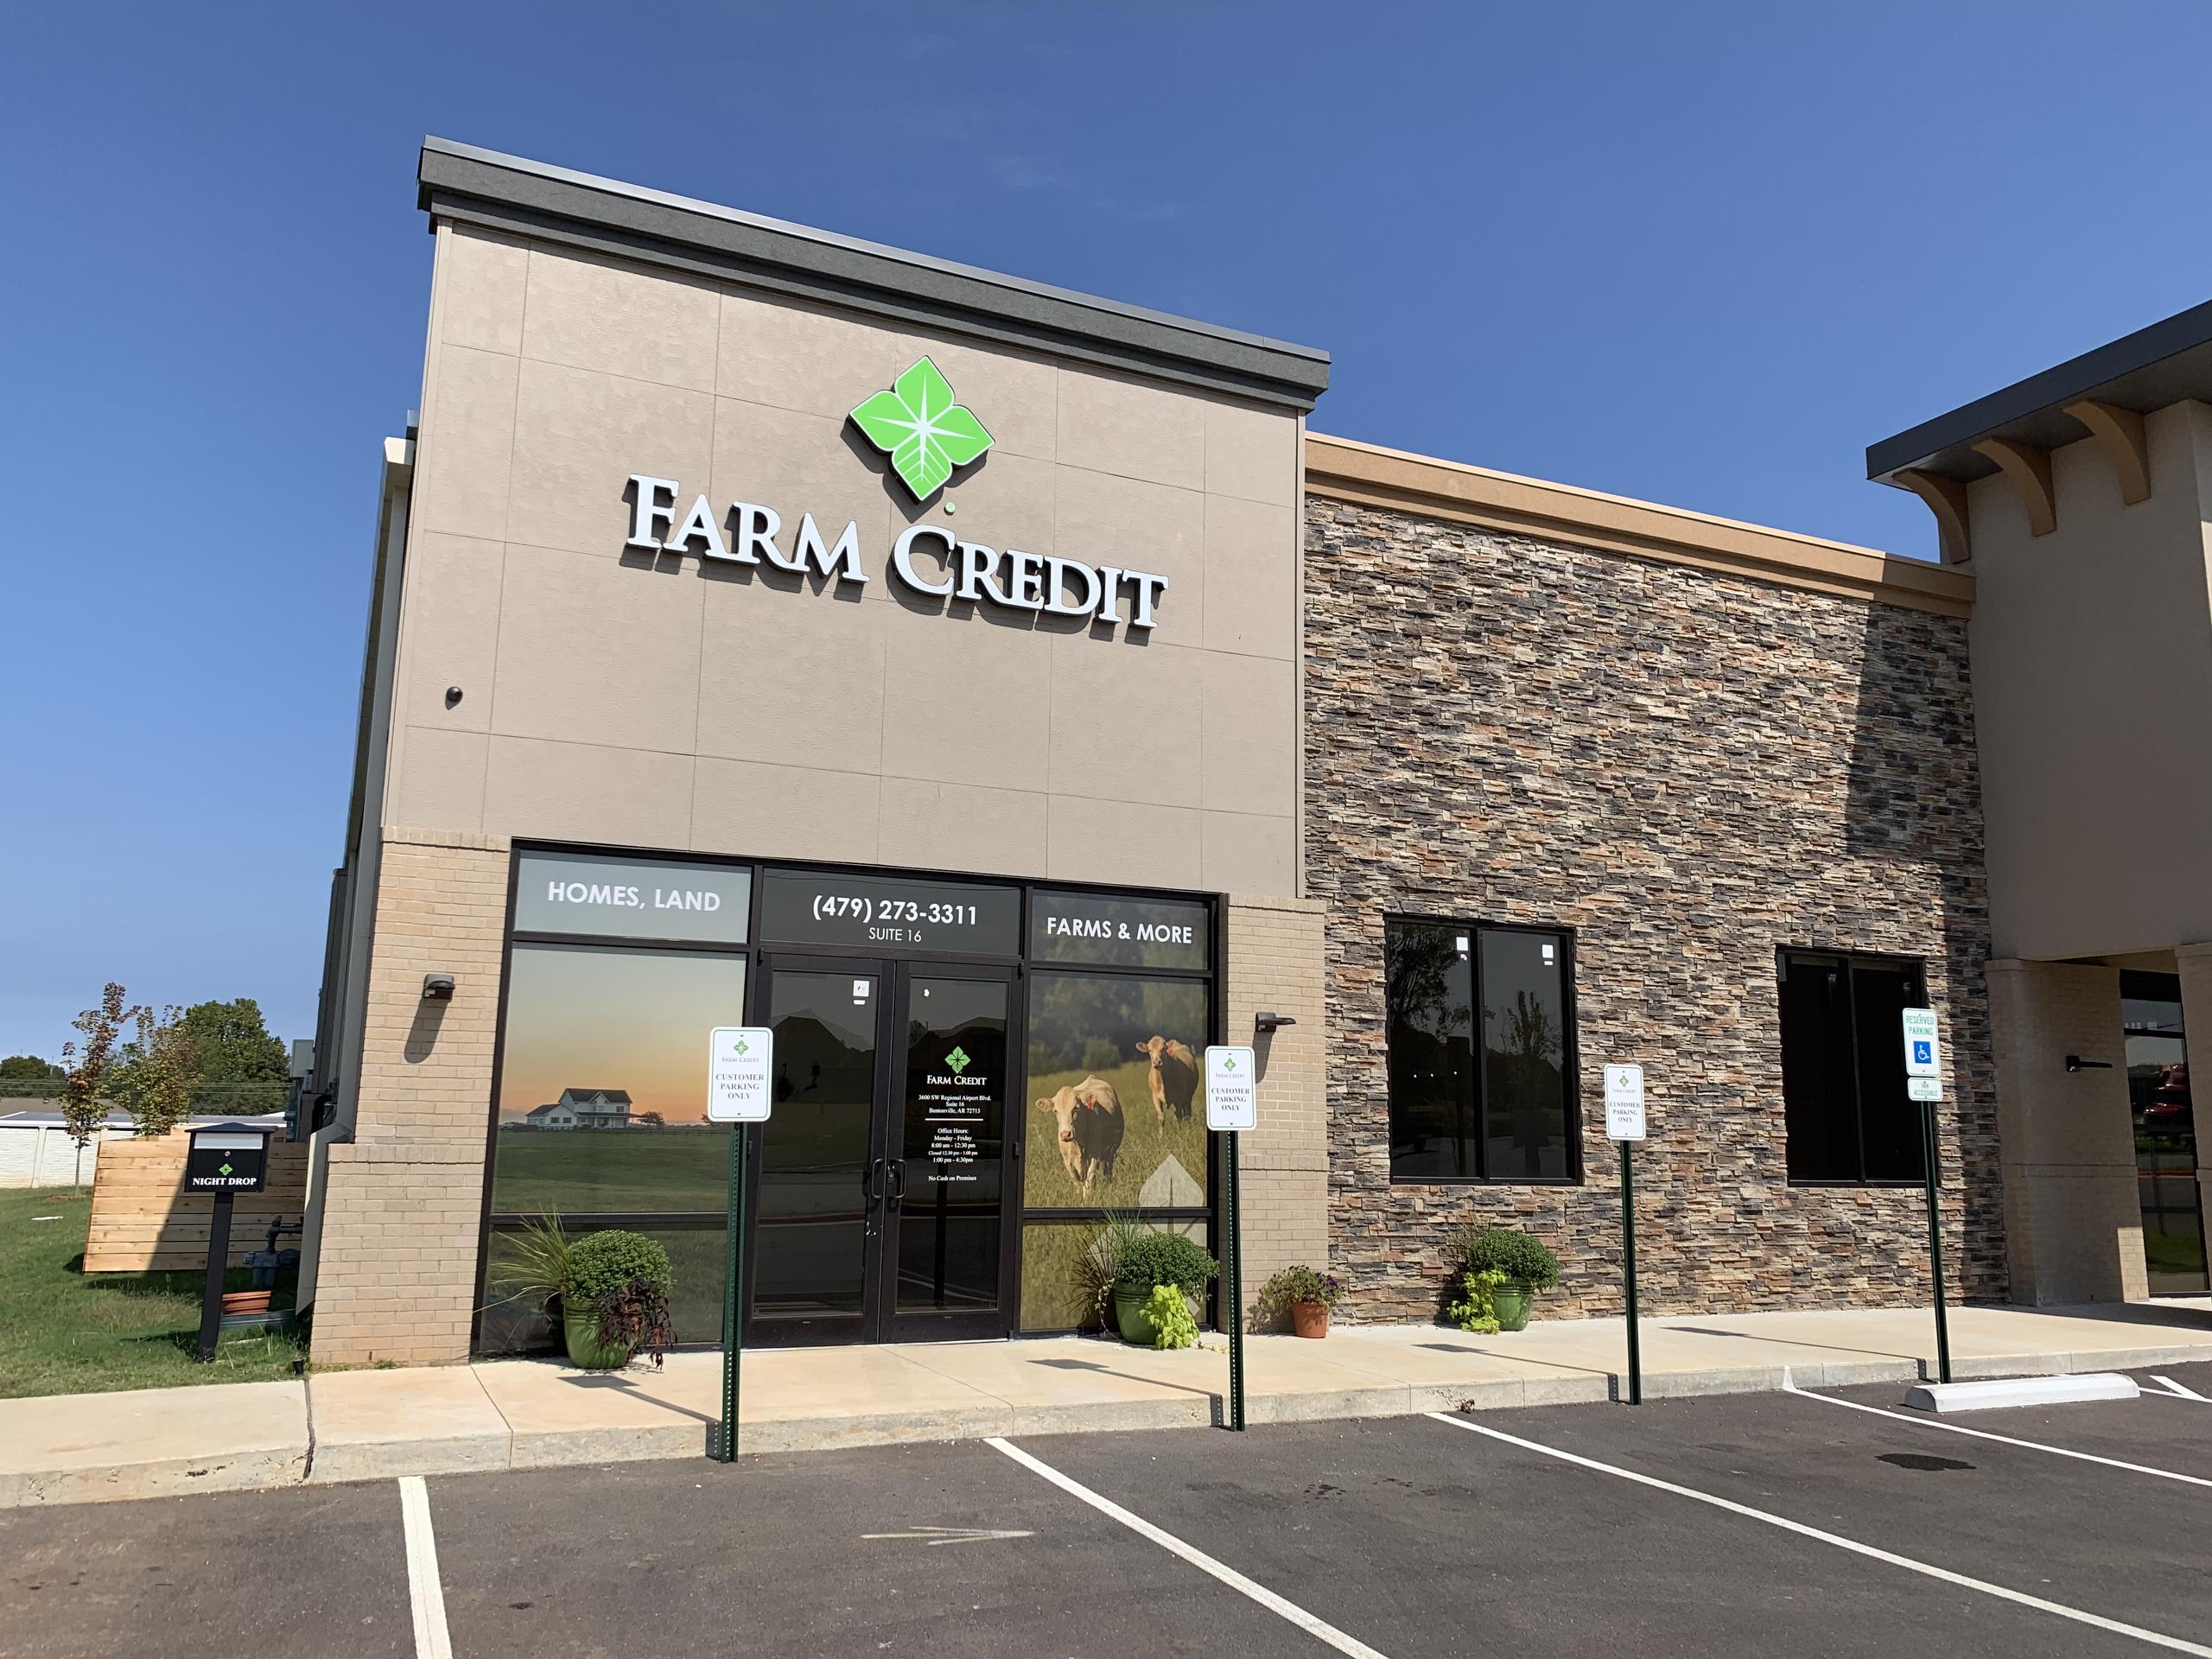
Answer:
x=403 y=1203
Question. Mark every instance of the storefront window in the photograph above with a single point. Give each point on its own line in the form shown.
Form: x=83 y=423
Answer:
x=2165 y=1121
x=1115 y=1117
x=1512 y=1117
x=602 y=1108
x=1847 y=1115
x=932 y=1094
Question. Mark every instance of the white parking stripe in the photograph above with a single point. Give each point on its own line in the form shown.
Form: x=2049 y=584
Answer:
x=2155 y=1638
x=1319 y=1628
x=1919 y=1421
x=426 y=1597
x=2179 y=1391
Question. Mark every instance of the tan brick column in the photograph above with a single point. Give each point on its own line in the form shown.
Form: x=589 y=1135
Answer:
x=1278 y=962
x=397 y=1272
x=2072 y=1222
x=2195 y=963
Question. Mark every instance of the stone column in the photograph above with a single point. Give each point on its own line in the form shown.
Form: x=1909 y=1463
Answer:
x=1278 y=962
x=2073 y=1224
x=404 y=1202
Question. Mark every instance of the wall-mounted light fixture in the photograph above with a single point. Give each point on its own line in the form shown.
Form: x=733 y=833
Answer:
x=2075 y=1063
x=1267 y=1024
x=437 y=987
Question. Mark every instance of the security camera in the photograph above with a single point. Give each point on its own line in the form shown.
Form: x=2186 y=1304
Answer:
x=437 y=987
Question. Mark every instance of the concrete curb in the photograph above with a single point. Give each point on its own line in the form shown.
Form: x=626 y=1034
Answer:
x=326 y=1431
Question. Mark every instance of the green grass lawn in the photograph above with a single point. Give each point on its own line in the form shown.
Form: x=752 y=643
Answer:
x=63 y=1331
x=582 y=1170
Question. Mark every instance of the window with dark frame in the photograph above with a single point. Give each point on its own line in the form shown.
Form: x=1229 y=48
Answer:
x=617 y=959
x=1480 y=1027
x=1846 y=1116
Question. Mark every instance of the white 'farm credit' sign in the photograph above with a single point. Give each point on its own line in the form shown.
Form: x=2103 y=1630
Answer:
x=928 y=559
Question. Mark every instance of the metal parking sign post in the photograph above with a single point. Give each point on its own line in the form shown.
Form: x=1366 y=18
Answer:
x=1232 y=1107
x=1624 y=1124
x=739 y=1063
x=1923 y=1082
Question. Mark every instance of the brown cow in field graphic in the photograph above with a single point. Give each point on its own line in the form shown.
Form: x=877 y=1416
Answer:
x=1090 y=1115
x=1174 y=1075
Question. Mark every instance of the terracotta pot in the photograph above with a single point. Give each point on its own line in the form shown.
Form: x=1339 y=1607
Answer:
x=245 y=1301
x=1309 y=1319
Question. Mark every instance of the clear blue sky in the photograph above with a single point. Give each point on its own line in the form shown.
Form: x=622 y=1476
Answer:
x=1701 y=254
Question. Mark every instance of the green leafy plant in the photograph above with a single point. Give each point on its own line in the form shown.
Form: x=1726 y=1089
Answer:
x=1506 y=1250
x=1100 y=1263
x=1300 y=1284
x=601 y=1263
x=1477 y=1309
x=82 y=1108
x=531 y=1267
x=622 y=1278
x=155 y=1075
x=926 y=435
x=1151 y=1259
x=1172 y=1326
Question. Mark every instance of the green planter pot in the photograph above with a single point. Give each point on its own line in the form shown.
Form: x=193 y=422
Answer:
x=586 y=1350
x=1137 y=1326
x=1510 y=1303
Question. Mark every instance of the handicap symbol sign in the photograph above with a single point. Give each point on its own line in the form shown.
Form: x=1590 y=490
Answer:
x=1923 y=1053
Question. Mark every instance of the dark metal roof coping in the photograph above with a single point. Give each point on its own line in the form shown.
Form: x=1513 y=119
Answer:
x=531 y=198
x=2167 y=362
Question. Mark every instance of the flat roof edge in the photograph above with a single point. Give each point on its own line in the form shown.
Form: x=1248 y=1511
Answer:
x=1345 y=469
x=528 y=198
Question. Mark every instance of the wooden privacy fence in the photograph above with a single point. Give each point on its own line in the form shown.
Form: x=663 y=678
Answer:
x=143 y=1220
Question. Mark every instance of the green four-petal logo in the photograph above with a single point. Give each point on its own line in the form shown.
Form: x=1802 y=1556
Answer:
x=957 y=1060
x=925 y=434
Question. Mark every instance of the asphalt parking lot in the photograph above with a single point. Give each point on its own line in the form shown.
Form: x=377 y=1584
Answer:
x=1730 y=1526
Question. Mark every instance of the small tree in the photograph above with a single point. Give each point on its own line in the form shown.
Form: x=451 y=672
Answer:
x=156 y=1086
x=82 y=1082
x=234 y=1045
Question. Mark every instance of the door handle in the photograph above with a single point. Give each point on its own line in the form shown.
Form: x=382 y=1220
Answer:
x=898 y=1167
x=872 y=1180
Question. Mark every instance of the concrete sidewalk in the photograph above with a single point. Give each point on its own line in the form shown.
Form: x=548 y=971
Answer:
x=520 y=1413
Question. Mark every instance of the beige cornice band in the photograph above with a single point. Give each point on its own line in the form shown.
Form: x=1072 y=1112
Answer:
x=1368 y=475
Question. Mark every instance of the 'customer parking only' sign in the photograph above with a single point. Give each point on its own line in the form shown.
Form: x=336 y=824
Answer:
x=739 y=1066
x=1232 y=1094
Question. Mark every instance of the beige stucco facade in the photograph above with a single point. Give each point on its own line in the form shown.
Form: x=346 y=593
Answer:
x=545 y=681
x=2080 y=501
x=2093 y=670
x=668 y=702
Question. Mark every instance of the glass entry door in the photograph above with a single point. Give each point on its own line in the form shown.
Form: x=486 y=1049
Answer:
x=879 y=1209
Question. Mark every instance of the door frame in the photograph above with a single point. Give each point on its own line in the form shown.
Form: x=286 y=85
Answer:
x=879 y=1319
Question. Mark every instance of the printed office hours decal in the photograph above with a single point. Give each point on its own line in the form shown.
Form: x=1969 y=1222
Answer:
x=1232 y=1089
x=1924 y=1062
x=1624 y=1102
x=927 y=436
x=740 y=1060
x=956 y=1105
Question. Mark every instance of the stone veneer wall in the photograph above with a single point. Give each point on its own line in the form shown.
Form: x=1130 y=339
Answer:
x=1690 y=770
